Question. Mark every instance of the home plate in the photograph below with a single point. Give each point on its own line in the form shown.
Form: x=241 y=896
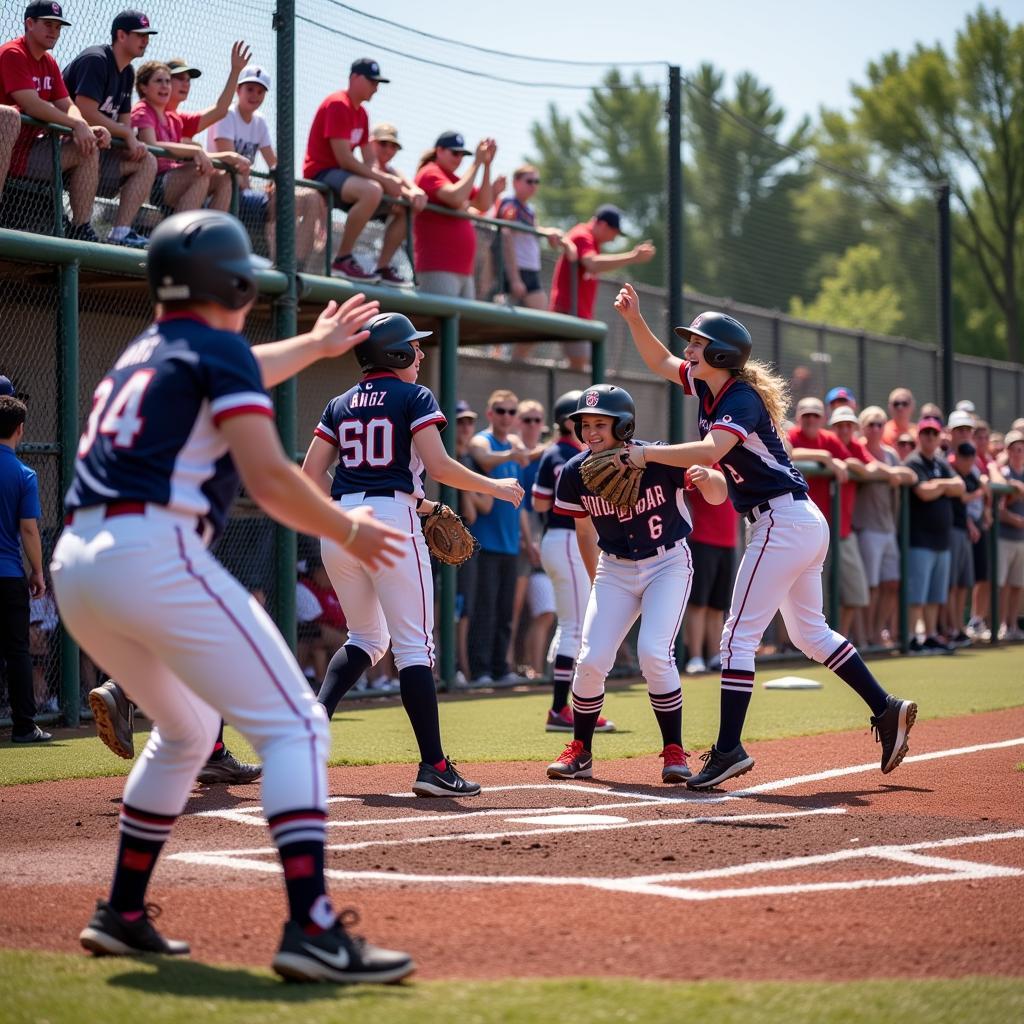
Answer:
x=791 y=683
x=569 y=819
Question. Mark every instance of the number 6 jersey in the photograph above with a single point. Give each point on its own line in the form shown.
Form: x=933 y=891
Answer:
x=372 y=426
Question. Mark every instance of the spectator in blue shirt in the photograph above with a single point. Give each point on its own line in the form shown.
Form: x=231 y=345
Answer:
x=19 y=525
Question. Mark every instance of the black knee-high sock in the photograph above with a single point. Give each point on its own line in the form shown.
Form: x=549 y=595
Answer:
x=299 y=838
x=737 y=689
x=668 y=710
x=585 y=713
x=143 y=835
x=850 y=667
x=564 y=667
x=219 y=750
x=343 y=672
x=419 y=698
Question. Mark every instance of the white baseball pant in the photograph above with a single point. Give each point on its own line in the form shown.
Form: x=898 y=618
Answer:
x=656 y=589
x=780 y=571
x=190 y=646
x=560 y=556
x=394 y=604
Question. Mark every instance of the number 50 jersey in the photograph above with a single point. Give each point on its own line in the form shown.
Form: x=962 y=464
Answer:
x=372 y=426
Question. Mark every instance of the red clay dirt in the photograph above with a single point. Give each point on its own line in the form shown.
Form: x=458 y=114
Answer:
x=882 y=917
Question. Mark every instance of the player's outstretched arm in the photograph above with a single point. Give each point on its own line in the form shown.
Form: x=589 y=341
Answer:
x=280 y=488
x=710 y=483
x=445 y=470
x=657 y=357
x=694 y=453
x=337 y=330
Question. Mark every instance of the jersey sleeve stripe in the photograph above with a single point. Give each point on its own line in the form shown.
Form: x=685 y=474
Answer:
x=685 y=378
x=325 y=435
x=428 y=420
x=576 y=511
x=542 y=492
x=732 y=428
x=242 y=410
x=246 y=398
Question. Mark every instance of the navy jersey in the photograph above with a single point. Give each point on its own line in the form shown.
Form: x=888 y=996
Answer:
x=372 y=426
x=552 y=462
x=152 y=433
x=658 y=520
x=758 y=468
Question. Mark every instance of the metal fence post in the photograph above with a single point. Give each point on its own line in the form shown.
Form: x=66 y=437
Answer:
x=994 y=618
x=904 y=538
x=67 y=332
x=598 y=358
x=945 y=297
x=834 y=575
x=58 y=186
x=674 y=265
x=449 y=386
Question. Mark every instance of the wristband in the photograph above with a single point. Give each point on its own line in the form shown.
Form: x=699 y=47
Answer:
x=353 y=530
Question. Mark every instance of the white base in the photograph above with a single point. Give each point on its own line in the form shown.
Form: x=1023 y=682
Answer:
x=791 y=683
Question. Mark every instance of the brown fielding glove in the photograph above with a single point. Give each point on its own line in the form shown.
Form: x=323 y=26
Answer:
x=447 y=537
x=611 y=476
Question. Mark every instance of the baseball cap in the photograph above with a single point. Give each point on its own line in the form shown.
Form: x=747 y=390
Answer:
x=133 y=21
x=1012 y=437
x=966 y=449
x=254 y=73
x=453 y=141
x=46 y=12
x=809 y=404
x=960 y=418
x=463 y=411
x=837 y=394
x=966 y=405
x=385 y=132
x=844 y=414
x=180 y=66
x=368 y=68
x=6 y=387
x=929 y=423
x=611 y=215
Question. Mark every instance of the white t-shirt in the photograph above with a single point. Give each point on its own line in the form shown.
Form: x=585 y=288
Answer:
x=307 y=607
x=246 y=139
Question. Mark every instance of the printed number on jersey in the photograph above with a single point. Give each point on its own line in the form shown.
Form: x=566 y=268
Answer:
x=367 y=444
x=118 y=417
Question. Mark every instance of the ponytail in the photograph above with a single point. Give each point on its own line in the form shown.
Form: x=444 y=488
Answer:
x=429 y=156
x=772 y=389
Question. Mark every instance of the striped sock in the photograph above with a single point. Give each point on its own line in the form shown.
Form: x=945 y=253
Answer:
x=299 y=837
x=668 y=710
x=585 y=713
x=143 y=835
x=564 y=668
x=737 y=689
x=850 y=667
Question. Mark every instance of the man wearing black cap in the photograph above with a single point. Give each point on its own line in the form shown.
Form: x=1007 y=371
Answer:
x=100 y=81
x=605 y=226
x=340 y=127
x=30 y=80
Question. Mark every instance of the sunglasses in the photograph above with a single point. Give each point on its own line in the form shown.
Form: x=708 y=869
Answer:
x=532 y=181
x=928 y=433
x=503 y=412
x=879 y=425
x=900 y=404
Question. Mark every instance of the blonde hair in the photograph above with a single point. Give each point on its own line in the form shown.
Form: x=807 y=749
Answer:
x=529 y=405
x=771 y=388
x=428 y=156
x=502 y=395
x=522 y=172
x=871 y=412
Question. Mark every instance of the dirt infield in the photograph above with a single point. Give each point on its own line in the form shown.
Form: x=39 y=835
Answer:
x=818 y=867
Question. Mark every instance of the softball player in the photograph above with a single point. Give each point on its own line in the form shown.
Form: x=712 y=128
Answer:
x=379 y=436
x=560 y=556
x=640 y=566
x=740 y=407
x=155 y=475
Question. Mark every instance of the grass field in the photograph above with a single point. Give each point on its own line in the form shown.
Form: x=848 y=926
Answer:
x=509 y=727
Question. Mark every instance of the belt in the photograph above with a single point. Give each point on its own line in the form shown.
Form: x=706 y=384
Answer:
x=115 y=508
x=660 y=550
x=383 y=492
x=759 y=510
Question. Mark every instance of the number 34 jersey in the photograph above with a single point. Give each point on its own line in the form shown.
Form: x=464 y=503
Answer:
x=372 y=426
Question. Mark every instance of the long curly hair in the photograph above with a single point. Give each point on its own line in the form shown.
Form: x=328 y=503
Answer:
x=774 y=391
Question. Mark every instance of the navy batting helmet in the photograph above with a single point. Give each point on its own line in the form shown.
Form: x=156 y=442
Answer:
x=728 y=341
x=202 y=256
x=565 y=406
x=607 y=400
x=389 y=346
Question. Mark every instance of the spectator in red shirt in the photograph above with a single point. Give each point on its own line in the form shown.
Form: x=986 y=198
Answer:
x=340 y=127
x=445 y=247
x=31 y=82
x=604 y=227
x=901 y=415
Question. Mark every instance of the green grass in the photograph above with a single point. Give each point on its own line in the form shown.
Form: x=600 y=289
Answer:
x=59 y=988
x=509 y=727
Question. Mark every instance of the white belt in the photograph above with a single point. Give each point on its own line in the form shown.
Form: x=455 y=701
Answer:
x=362 y=498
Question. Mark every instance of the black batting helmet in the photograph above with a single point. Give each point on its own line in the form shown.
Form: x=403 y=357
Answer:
x=607 y=400
x=565 y=406
x=389 y=346
x=202 y=256
x=728 y=340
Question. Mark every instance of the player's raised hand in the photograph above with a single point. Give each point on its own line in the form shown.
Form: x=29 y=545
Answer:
x=644 y=252
x=241 y=54
x=508 y=490
x=627 y=304
x=339 y=329
x=375 y=543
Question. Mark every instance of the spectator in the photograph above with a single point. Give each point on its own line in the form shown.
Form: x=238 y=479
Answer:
x=1011 y=539
x=19 y=528
x=42 y=646
x=901 y=414
x=245 y=131
x=499 y=454
x=977 y=626
x=966 y=512
x=713 y=546
x=186 y=179
x=182 y=76
x=840 y=396
x=331 y=632
x=874 y=523
x=905 y=445
x=100 y=81
x=445 y=246
x=961 y=430
x=604 y=227
x=340 y=127
x=996 y=444
x=931 y=524
x=30 y=80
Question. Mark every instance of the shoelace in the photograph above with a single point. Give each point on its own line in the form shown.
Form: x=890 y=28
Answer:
x=707 y=756
x=571 y=752
x=348 y=918
x=671 y=758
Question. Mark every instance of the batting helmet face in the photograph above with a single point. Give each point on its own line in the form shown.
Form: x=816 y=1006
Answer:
x=728 y=341
x=202 y=256
x=565 y=406
x=389 y=346
x=607 y=400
